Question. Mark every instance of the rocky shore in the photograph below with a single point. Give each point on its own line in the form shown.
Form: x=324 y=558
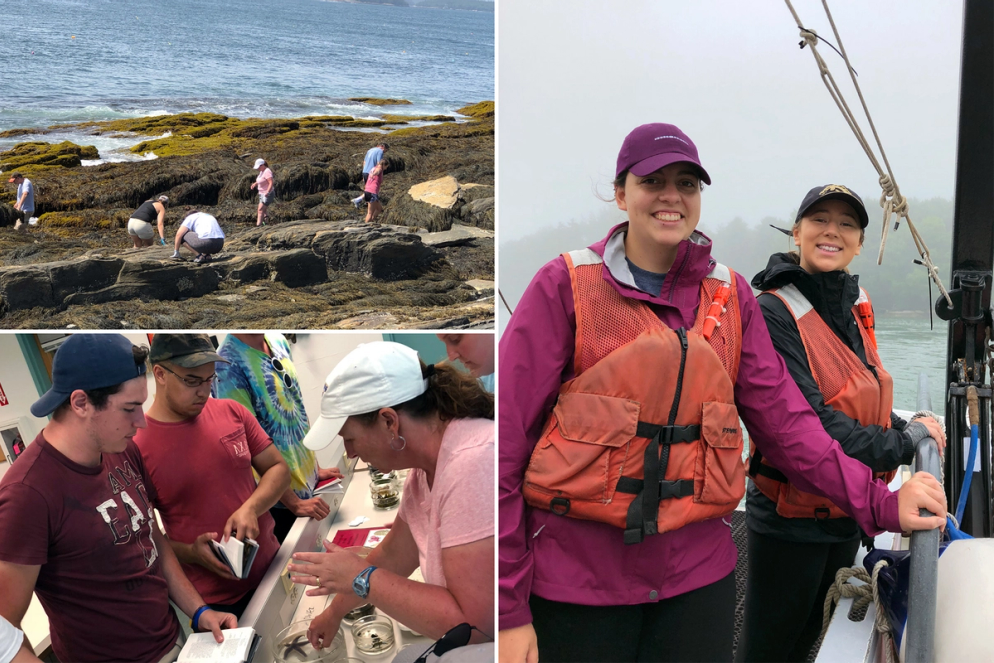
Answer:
x=429 y=264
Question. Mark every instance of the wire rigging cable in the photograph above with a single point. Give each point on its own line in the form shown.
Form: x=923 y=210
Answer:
x=891 y=200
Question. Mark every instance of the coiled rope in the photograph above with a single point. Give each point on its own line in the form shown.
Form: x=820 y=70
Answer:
x=862 y=595
x=891 y=199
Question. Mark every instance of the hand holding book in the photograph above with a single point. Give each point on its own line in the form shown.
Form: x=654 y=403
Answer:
x=202 y=553
x=242 y=524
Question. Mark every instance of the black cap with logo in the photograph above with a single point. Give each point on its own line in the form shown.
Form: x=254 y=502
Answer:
x=833 y=192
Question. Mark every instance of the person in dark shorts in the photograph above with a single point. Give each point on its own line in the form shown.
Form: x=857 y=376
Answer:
x=372 y=193
x=201 y=234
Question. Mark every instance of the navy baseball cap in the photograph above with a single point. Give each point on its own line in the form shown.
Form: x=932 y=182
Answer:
x=88 y=361
x=833 y=192
x=650 y=147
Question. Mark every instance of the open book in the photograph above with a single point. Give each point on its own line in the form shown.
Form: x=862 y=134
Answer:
x=329 y=486
x=236 y=555
x=239 y=646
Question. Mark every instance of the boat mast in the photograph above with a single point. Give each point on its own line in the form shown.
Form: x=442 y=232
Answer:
x=971 y=265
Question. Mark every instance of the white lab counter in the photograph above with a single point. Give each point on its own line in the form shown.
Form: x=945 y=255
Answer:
x=277 y=603
x=274 y=607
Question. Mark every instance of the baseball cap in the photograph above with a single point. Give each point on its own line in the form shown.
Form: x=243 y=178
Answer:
x=186 y=350
x=833 y=192
x=15 y=176
x=258 y=164
x=373 y=376
x=88 y=361
x=650 y=147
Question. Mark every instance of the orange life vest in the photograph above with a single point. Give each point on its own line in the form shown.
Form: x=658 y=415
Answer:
x=646 y=437
x=846 y=384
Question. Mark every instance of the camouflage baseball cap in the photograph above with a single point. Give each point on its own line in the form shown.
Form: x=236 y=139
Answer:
x=186 y=350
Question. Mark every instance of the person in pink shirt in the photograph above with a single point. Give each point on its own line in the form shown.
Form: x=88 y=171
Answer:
x=372 y=191
x=573 y=590
x=264 y=183
x=394 y=412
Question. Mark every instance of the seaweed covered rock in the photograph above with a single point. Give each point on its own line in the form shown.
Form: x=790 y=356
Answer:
x=46 y=155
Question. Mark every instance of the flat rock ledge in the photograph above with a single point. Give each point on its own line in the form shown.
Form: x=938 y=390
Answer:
x=296 y=254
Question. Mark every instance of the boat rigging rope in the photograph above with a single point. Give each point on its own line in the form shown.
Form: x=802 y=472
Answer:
x=862 y=595
x=891 y=199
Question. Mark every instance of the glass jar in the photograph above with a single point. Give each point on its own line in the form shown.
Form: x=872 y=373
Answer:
x=373 y=634
x=364 y=610
x=385 y=490
x=291 y=646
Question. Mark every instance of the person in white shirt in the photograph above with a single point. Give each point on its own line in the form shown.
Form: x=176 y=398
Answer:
x=10 y=644
x=205 y=240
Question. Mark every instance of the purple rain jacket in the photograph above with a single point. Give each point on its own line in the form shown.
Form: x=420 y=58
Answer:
x=584 y=562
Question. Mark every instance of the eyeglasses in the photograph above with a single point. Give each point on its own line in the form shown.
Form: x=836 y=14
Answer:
x=281 y=369
x=455 y=637
x=192 y=381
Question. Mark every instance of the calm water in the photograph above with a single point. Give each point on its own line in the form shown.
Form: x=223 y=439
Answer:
x=908 y=348
x=76 y=60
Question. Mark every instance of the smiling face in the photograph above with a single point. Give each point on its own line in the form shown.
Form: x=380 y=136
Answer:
x=664 y=208
x=371 y=442
x=828 y=236
x=116 y=424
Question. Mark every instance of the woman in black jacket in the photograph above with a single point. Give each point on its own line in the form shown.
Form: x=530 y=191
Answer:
x=821 y=324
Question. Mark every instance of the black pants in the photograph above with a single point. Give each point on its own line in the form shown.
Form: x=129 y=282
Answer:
x=283 y=521
x=785 y=596
x=236 y=608
x=696 y=626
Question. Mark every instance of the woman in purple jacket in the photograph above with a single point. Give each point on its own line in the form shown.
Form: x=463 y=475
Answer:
x=571 y=589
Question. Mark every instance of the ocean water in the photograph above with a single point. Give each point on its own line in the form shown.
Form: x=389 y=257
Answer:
x=79 y=60
x=907 y=347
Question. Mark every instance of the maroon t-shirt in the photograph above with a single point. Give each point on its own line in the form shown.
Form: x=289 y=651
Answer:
x=200 y=472
x=89 y=528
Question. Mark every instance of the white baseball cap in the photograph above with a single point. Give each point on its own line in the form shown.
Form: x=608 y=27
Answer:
x=259 y=163
x=373 y=376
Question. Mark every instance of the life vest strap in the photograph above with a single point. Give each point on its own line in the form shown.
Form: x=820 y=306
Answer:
x=667 y=489
x=757 y=468
x=668 y=434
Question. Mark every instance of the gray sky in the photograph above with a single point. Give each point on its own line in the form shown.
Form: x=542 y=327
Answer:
x=574 y=77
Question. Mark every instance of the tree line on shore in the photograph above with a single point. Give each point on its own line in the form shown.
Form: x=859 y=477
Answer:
x=896 y=285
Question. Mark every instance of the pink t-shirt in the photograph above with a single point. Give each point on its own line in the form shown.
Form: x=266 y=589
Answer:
x=459 y=508
x=201 y=472
x=265 y=181
x=89 y=528
x=374 y=181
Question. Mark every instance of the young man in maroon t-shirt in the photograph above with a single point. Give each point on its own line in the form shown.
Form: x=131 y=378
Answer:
x=80 y=527
x=200 y=453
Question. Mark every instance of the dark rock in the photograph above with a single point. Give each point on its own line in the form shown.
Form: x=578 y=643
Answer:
x=382 y=255
x=298 y=268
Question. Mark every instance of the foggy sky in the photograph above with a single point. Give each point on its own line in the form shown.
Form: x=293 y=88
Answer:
x=574 y=77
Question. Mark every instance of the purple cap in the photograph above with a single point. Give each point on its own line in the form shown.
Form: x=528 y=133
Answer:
x=653 y=146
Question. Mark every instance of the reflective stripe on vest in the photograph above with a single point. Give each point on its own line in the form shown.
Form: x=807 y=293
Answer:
x=846 y=384
x=646 y=437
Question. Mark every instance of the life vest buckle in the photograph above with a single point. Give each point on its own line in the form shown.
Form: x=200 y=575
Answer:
x=559 y=506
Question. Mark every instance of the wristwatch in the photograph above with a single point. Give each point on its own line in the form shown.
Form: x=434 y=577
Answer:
x=361 y=583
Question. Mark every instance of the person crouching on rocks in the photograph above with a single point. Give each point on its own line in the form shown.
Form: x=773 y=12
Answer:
x=206 y=237
x=140 y=224
x=372 y=192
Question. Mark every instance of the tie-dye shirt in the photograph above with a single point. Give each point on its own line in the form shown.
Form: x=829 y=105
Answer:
x=273 y=395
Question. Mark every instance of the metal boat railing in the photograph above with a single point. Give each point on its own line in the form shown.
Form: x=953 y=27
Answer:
x=923 y=581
